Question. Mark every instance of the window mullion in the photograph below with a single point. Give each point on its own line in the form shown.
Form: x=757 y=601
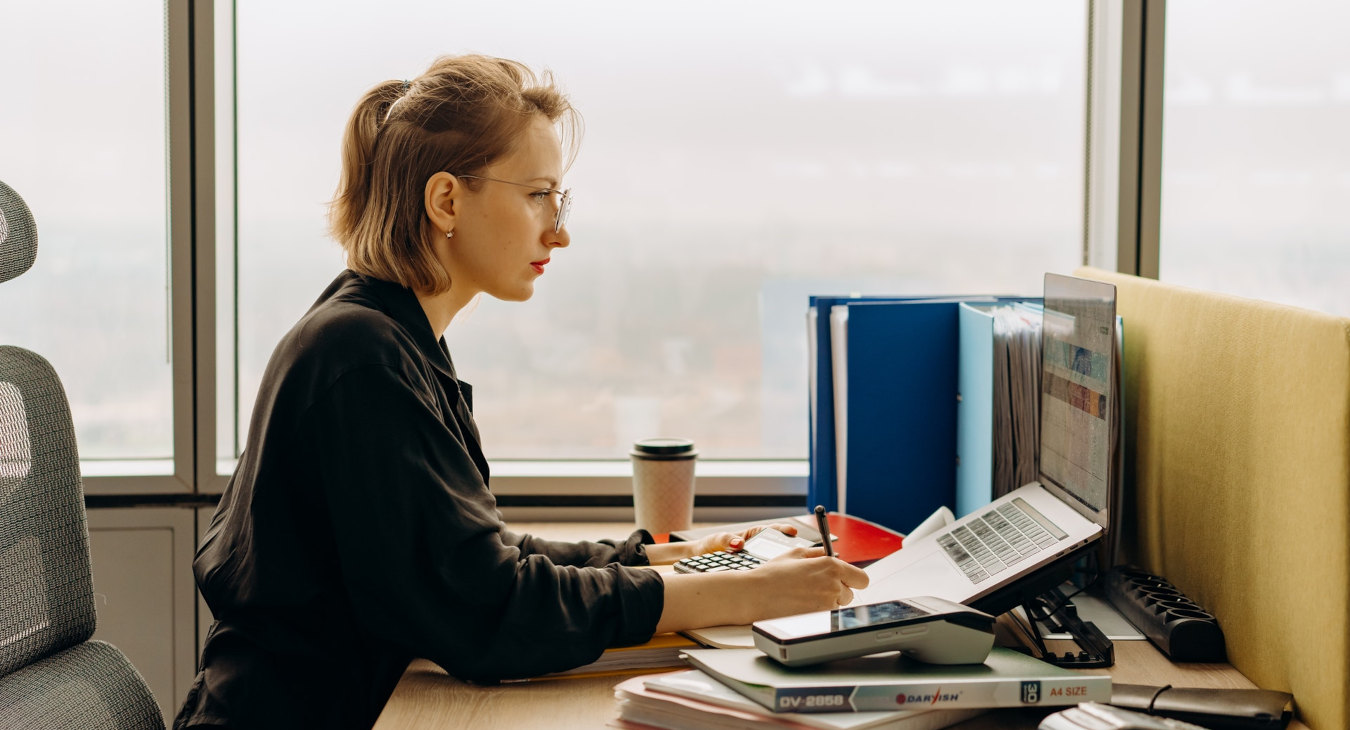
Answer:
x=178 y=20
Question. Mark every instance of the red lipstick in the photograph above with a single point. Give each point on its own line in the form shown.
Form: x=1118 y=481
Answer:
x=538 y=266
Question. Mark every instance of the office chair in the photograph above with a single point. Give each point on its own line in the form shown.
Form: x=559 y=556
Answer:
x=51 y=675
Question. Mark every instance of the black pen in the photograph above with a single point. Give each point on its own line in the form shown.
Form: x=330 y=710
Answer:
x=824 y=526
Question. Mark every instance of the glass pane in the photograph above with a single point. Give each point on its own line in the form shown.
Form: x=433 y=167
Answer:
x=737 y=157
x=83 y=140
x=1256 y=161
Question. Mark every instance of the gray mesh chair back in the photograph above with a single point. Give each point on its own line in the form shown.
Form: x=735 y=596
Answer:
x=18 y=235
x=46 y=593
x=51 y=674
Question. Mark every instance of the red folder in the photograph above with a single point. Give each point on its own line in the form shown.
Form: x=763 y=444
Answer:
x=861 y=542
x=857 y=541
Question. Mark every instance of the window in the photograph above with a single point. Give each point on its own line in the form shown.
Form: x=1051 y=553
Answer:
x=737 y=158
x=1255 y=156
x=83 y=140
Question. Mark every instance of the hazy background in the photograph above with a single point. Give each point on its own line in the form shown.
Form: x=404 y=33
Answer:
x=737 y=157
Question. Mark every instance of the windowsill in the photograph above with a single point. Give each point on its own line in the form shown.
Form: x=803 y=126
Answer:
x=597 y=477
x=126 y=468
x=607 y=468
x=597 y=468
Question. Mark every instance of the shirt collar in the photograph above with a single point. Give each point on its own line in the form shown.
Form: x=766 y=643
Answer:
x=400 y=303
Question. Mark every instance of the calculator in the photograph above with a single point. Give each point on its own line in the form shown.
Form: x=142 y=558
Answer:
x=767 y=544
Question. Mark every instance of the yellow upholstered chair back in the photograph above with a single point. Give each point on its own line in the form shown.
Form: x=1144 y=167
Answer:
x=1238 y=476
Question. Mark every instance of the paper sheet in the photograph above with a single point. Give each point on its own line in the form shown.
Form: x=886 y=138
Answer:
x=934 y=522
x=740 y=637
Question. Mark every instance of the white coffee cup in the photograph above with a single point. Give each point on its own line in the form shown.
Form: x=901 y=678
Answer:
x=663 y=484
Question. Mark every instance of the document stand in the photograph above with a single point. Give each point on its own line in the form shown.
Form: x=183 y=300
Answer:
x=1039 y=595
x=1057 y=612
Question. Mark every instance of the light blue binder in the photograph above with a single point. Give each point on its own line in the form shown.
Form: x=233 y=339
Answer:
x=975 y=409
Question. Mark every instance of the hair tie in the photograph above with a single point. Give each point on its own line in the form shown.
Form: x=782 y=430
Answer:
x=406 y=84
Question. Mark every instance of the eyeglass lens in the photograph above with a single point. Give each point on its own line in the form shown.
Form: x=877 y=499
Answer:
x=564 y=208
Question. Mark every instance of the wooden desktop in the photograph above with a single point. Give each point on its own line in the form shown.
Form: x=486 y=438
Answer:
x=428 y=698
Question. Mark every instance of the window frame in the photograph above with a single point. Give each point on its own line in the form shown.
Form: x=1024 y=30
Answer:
x=1122 y=200
x=1122 y=171
x=184 y=72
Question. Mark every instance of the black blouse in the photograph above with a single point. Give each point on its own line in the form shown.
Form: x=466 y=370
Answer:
x=358 y=532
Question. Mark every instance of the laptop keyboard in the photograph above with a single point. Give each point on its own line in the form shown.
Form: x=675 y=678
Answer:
x=999 y=538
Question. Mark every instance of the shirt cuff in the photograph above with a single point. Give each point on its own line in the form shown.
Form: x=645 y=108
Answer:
x=634 y=550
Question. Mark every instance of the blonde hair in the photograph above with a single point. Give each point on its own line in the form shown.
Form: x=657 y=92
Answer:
x=460 y=116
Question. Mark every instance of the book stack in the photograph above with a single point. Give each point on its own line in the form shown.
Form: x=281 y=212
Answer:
x=692 y=700
x=734 y=688
x=662 y=652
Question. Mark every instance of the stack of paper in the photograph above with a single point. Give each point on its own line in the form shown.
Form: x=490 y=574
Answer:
x=1017 y=360
x=662 y=652
x=692 y=700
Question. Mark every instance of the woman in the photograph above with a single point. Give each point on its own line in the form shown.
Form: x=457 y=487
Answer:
x=358 y=531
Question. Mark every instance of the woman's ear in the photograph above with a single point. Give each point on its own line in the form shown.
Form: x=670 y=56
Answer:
x=440 y=197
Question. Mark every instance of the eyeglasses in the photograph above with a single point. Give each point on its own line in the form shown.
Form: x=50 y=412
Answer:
x=564 y=205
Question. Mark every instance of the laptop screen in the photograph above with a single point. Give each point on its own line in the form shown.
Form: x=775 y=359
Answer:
x=1078 y=375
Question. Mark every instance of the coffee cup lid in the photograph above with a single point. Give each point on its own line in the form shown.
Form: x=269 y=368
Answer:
x=663 y=447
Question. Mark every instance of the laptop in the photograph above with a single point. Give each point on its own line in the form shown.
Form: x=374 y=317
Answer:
x=1027 y=541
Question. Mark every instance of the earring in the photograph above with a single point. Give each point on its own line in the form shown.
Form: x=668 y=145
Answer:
x=449 y=234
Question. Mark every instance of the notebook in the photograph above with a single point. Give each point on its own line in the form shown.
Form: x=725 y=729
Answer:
x=1022 y=543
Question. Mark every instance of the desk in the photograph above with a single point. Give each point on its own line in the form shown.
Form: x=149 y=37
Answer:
x=427 y=698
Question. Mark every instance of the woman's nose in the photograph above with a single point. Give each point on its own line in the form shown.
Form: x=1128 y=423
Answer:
x=561 y=238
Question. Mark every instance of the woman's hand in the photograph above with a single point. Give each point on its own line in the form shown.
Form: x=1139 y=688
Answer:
x=663 y=553
x=803 y=580
x=733 y=541
x=798 y=581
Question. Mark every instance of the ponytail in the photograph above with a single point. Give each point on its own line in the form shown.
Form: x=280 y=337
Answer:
x=358 y=152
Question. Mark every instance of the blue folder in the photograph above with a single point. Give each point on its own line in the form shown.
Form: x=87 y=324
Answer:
x=822 y=480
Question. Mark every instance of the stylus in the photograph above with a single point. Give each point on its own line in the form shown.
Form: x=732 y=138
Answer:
x=824 y=526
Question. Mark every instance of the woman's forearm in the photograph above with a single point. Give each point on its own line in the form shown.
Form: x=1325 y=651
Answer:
x=800 y=581
x=665 y=553
x=696 y=600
